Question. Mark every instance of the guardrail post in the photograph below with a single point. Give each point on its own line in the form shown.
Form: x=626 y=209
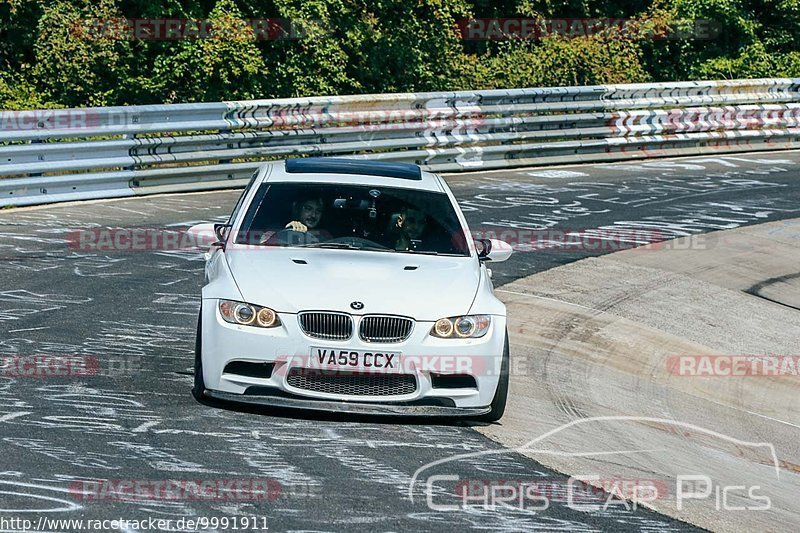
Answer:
x=229 y=146
x=40 y=158
x=129 y=136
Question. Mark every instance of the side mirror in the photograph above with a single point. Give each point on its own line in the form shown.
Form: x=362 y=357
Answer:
x=208 y=235
x=493 y=250
x=221 y=233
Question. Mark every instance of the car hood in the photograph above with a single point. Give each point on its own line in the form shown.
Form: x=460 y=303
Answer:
x=294 y=279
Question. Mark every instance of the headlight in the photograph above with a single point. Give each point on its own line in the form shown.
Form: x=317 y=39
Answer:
x=462 y=327
x=248 y=315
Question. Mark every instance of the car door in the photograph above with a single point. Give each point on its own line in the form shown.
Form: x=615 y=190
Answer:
x=214 y=255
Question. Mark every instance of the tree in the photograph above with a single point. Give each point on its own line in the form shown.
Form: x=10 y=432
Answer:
x=65 y=53
x=74 y=63
x=227 y=65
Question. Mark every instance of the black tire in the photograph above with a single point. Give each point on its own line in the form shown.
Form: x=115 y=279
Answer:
x=498 y=404
x=199 y=389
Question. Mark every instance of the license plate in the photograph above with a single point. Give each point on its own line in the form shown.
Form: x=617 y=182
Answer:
x=337 y=358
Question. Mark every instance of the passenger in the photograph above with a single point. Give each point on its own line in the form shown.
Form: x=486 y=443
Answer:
x=414 y=230
x=409 y=230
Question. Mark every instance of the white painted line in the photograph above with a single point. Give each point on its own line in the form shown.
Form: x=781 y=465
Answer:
x=11 y=416
x=557 y=174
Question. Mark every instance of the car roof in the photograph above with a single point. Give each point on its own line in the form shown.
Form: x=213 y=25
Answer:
x=340 y=165
x=352 y=171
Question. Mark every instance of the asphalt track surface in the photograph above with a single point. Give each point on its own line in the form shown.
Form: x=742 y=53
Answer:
x=133 y=314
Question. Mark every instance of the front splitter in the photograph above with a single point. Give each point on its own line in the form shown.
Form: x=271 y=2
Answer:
x=355 y=408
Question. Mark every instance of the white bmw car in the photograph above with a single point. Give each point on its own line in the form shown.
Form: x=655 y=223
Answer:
x=353 y=286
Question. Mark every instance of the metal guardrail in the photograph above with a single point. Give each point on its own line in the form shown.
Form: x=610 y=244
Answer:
x=76 y=154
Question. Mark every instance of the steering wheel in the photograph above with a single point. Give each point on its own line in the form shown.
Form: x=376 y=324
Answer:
x=290 y=236
x=357 y=241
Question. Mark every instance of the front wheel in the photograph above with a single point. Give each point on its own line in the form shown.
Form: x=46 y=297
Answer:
x=498 y=404
x=199 y=387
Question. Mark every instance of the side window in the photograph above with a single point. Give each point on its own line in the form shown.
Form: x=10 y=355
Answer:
x=246 y=230
x=239 y=202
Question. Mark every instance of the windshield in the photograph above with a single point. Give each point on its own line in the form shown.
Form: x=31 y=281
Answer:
x=354 y=217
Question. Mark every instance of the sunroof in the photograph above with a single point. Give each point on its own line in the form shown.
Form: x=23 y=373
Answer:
x=338 y=165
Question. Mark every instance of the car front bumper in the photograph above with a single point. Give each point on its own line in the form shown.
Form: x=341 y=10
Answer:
x=288 y=347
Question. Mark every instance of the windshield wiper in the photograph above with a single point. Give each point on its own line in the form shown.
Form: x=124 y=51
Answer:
x=344 y=246
x=340 y=245
x=351 y=246
x=421 y=252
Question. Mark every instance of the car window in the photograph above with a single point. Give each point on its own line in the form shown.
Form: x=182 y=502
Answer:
x=353 y=216
x=240 y=201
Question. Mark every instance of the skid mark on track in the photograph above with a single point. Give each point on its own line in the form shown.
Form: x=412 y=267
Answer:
x=160 y=460
x=76 y=458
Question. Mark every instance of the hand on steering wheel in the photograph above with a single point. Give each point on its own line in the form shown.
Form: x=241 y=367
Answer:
x=294 y=225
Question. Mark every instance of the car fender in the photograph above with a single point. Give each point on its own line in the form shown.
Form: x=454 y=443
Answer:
x=221 y=283
x=485 y=302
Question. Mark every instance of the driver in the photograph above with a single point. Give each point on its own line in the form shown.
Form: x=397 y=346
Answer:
x=307 y=215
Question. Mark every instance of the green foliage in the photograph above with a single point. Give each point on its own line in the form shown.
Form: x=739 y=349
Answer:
x=50 y=57
x=317 y=63
x=407 y=46
x=754 y=61
x=226 y=66
x=22 y=95
x=77 y=69
x=746 y=38
x=559 y=61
